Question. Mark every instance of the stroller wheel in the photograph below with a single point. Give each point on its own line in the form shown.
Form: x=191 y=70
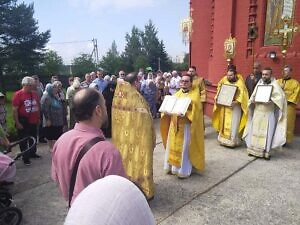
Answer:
x=5 y=198
x=10 y=216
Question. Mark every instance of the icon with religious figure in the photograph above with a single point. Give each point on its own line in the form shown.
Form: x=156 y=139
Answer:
x=277 y=10
x=186 y=29
x=229 y=48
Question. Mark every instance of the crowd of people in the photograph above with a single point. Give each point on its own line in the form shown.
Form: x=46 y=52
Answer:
x=45 y=111
x=76 y=123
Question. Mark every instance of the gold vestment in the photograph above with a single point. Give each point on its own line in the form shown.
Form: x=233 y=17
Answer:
x=222 y=115
x=198 y=82
x=133 y=134
x=175 y=125
x=291 y=89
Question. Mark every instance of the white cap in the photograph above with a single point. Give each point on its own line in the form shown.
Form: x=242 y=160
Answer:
x=110 y=200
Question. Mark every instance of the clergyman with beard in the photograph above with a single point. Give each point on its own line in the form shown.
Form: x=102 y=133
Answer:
x=101 y=159
x=266 y=124
x=230 y=121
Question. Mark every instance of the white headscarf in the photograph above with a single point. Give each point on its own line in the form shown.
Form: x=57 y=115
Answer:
x=110 y=200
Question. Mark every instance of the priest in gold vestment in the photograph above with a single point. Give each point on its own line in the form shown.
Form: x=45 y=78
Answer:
x=133 y=133
x=291 y=88
x=183 y=136
x=266 y=122
x=230 y=121
x=198 y=82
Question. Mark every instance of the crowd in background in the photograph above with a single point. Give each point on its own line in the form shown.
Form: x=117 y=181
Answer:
x=45 y=111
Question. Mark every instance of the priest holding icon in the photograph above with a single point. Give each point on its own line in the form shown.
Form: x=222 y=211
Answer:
x=183 y=134
x=267 y=117
x=230 y=109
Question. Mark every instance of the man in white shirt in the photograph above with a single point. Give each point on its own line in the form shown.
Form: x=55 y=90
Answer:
x=174 y=83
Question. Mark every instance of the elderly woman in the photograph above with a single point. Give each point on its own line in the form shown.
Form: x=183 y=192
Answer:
x=52 y=110
x=149 y=91
x=75 y=86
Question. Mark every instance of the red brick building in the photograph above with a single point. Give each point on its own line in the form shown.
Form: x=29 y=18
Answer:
x=215 y=20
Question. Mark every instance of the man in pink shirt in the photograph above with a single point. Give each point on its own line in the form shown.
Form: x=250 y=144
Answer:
x=101 y=160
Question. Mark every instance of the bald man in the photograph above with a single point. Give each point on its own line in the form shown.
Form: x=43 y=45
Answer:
x=101 y=160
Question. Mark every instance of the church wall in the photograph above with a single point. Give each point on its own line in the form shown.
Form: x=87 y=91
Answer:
x=213 y=23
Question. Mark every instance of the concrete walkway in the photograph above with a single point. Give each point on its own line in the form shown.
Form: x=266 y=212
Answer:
x=234 y=189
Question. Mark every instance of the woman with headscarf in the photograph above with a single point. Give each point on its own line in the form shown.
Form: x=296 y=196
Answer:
x=71 y=91
x=149 y=91
x=108 y=94
x=110 y=200
x=52 y=110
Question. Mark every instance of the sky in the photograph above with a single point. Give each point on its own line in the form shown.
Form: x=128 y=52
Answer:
x=80 y=21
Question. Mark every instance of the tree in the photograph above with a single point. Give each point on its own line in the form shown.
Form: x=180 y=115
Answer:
x=52 y=64
x=165 y=61
x=21 y=44
x=140 y=62
x=111 y=62
x=82 y=65
x=154 y=49
x=133 y=49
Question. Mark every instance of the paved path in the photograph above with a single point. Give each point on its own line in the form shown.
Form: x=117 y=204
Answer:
x=234 y=189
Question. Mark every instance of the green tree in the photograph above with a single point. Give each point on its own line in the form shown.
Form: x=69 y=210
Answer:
x=82 y=65
x=111 y=62
x=133 y=49
x=140 y=62
x=154 y=48
x=52 y=64
x=21 y=44
x=165 y=61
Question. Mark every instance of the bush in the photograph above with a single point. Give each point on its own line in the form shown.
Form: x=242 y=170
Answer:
x=11 y=129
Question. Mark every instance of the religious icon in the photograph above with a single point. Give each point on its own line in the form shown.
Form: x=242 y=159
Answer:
x=229 y=48
x=252 y=32
x=186 y=29
x=276 y=11
x=263 y=93
x=226 y=94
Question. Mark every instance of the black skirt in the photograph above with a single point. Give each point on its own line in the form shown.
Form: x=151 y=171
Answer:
x=53 y=132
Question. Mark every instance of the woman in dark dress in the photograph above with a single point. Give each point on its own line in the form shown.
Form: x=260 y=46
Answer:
x=52 y=109
x=108 y=94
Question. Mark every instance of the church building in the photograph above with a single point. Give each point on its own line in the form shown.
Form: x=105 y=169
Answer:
x=253 y=23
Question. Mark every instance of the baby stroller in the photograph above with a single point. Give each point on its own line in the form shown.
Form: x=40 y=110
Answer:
x=10 y=215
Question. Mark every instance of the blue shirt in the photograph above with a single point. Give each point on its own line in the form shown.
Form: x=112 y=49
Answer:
x=101 y=83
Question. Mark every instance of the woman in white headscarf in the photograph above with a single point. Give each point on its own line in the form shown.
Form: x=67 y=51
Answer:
x=53 y=117
x=149 y=91
x=71 y=91
x=111 y=200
